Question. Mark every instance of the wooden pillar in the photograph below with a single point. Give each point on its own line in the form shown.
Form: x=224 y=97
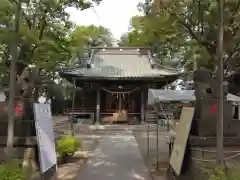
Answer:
x=238 y=111
x=119 y=102
x=98 y=107
x=73 y=107
x=142 y=106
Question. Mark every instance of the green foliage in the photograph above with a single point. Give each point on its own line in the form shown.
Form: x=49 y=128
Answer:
x=48 y=40
x=67 y=146
x=84 y=37
x=44 y=31
x=234 y=174
x=186 y=31
x=12 y=171
x=217 y=173
x=220 y=173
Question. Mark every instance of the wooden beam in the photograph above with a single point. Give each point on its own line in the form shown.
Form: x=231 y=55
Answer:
x=98 y=106
x=142 y=106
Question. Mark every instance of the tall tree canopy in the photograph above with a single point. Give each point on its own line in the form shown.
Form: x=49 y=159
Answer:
x=186 y=31
x=84 y=37
x=44 y=30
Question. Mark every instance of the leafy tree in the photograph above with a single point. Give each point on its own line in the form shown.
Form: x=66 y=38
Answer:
x=47 y=40
x=124 y=41
x=43 y=46
x=187 y=30
x=91 y=35
x=145 y=32
x=84 y=37
x=43 y=38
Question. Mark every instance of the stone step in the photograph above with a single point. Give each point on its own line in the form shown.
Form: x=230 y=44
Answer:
x=109 y=128
x=160 y=129
x=149 y=118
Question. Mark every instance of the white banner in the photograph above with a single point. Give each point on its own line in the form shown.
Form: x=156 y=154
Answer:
x=45 y=136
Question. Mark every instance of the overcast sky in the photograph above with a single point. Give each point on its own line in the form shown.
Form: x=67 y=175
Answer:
x=112 y=14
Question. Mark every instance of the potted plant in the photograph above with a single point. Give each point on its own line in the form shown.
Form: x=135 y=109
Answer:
x=67 y=146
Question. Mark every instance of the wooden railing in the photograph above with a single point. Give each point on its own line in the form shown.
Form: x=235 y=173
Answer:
x=106 y=111
x=109 y=113
x=79 y=110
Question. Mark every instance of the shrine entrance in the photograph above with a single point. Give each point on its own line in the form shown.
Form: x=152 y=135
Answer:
x=120 y=102
x=120 y=105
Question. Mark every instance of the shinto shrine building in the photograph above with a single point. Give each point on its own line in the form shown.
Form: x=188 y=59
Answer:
x=115 y=82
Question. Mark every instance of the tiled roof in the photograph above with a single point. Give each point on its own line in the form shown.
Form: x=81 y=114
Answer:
x=122 y=63
x=170 y=95
x=178 y=95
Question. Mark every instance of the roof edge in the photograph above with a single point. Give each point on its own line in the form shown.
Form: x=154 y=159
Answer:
x=151 y=59
x=122 y=47
x=167 y=68
x=154 y=79
x=89 y=61
x=154 y=63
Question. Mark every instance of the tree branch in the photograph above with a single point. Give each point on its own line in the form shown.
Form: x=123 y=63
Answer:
x=206 y=44
x=231 y=21
x=41 y=34
x=201 y=16
x=44 y=24
x=28 y=21
x=237 y=7
x=233 y=54
x=235 y=50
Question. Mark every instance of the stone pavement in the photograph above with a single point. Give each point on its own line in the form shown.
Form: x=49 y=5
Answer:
x=117 y=157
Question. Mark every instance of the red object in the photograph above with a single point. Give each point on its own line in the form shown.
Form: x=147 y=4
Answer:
x=213 y=108
x=18 y=110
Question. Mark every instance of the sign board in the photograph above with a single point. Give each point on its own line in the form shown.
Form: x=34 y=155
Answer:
x=45 y=136
x=182 y=132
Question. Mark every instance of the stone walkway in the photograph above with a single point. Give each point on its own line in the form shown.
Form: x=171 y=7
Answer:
x=117 y=157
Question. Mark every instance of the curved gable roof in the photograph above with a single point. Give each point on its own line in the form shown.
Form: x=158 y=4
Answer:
x=122 y=63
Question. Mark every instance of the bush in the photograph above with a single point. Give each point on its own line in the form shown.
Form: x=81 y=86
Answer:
x=67 y=146
x=12 y=171
x=220 y=173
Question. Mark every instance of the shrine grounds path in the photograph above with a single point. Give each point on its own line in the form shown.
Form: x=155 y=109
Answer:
x=117 y=157
x=119 y=152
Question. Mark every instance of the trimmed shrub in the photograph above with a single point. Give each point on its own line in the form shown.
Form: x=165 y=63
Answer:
x=67 y=146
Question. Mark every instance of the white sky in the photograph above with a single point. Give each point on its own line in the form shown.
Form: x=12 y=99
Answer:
x=113 y=14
